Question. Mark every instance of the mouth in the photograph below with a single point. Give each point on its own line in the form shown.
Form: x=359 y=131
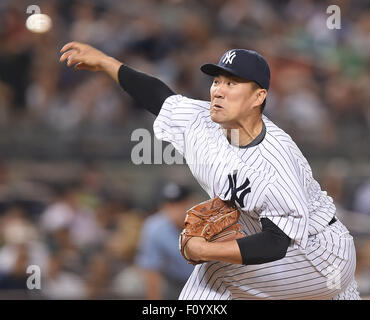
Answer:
x=216 y=107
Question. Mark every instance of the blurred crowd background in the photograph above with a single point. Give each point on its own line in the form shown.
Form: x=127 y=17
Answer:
x=71 y=200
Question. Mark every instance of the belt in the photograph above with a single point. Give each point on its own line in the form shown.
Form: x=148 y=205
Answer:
x=332 y=221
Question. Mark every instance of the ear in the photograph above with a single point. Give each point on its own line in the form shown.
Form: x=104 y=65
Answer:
x=261 y=96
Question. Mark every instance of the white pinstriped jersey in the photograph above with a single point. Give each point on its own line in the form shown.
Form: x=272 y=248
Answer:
x=268 y=179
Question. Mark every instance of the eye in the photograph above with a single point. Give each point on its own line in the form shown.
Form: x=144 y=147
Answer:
x=230 y=83
x=215 y=81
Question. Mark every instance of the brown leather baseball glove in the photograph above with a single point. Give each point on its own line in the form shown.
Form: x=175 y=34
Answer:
x=215 y=220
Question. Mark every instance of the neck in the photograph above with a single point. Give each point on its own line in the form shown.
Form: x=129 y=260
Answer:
x=245 y=132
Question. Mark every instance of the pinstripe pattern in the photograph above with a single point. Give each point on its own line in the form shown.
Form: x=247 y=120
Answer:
x=282 y=189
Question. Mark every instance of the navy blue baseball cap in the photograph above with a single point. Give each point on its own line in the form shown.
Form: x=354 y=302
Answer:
x=246 y=64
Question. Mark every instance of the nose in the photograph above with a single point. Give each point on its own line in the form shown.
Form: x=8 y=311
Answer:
x=219 y=95
x=219 y=92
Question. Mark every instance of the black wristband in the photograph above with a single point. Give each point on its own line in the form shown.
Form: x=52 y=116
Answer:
x=269 y=245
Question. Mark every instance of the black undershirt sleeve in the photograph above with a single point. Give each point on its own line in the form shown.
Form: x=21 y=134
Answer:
x=269 y=245
x=147 y=91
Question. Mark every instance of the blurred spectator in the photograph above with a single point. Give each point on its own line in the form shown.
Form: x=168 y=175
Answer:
x=164 y=268
x=56 y=224
x=362 y=198
x=363 y=267
x=67 y=213
x=129 y=284
x=122 y=244
x=98 y=277
x=59 y=283
x=335 y=178
x=21 y=247
x=15 y=56
x=18 y=232
x=62 y=211
x=15 y=279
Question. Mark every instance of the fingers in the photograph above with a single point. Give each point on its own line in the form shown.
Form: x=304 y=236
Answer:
x=78 y=55
x=71 y=50
x=72 y=45
x=72 y=56
x=80 y=66
x=73 y=59
x=83 y=66
x=66 y=55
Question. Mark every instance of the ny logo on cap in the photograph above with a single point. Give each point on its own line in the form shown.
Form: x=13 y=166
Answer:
x=229 y=57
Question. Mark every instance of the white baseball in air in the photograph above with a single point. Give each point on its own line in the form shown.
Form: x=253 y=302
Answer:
x=38 y=23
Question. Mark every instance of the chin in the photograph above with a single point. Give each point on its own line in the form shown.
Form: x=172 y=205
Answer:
x=215 y=119
x=224 y=124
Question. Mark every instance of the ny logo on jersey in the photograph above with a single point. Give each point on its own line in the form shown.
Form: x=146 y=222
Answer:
x=229 y=57
x=234 y=189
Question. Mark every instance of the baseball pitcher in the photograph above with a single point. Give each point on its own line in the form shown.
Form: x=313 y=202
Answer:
x=288 y=242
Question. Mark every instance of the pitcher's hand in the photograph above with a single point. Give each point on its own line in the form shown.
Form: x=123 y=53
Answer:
x=83 y=56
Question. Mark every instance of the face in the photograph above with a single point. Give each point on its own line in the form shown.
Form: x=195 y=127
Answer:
x=232 y=100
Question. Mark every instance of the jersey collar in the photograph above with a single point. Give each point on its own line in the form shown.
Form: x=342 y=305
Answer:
x=257 y=140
